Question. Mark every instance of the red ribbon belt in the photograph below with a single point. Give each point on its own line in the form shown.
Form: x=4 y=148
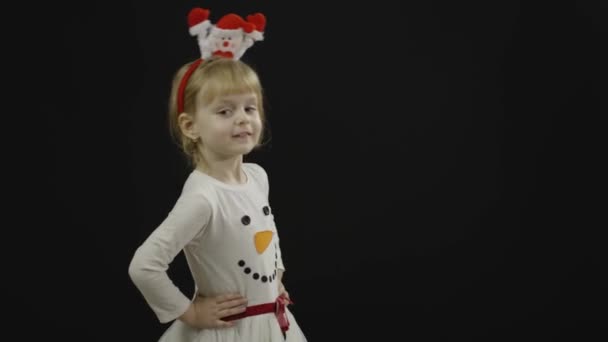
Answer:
x=278 y=307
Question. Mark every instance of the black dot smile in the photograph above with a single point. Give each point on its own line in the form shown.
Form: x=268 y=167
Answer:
x=257 y=276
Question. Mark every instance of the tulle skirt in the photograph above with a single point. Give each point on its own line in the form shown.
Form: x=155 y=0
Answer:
x=259 y=328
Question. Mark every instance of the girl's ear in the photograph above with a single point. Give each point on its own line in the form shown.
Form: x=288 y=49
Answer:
x=186 y=124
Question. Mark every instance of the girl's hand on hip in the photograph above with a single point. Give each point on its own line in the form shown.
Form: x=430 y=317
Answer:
x=207 y=312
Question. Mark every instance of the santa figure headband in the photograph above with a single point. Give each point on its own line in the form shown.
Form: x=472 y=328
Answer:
x=229 y=38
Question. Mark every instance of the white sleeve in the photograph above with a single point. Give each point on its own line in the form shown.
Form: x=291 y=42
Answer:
x=148 y=267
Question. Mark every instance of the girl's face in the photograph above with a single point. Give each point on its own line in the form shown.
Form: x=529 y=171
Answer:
x=229 y=126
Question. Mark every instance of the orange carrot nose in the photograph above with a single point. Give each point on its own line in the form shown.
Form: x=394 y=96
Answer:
x=262 y=240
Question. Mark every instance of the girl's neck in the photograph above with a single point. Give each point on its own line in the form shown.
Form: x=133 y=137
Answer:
x=228 y=171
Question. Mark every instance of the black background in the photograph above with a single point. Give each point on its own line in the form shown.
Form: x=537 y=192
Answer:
x=435 y=166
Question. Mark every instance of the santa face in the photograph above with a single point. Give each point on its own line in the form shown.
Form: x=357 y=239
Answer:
x=226 y=42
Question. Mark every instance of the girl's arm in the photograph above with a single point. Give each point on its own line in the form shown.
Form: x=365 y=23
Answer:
x=148 y=267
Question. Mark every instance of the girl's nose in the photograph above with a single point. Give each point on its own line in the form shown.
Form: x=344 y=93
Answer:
x=242 y=117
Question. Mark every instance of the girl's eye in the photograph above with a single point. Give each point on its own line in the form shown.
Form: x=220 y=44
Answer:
x=250 y=109
x=224 y=112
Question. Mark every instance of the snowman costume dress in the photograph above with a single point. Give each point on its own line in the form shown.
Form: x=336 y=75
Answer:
x=229 y=238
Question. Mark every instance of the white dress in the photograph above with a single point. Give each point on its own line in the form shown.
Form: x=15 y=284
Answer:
x=230 y=241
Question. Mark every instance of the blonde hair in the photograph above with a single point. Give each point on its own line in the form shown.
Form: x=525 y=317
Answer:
x=212 y=78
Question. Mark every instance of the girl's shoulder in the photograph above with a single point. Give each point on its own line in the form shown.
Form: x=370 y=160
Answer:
x=255 y=169
x=258 y=173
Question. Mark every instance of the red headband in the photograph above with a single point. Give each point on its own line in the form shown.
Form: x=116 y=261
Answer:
x=230 y=38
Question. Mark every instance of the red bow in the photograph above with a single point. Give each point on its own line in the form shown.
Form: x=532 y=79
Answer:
x=280 y=304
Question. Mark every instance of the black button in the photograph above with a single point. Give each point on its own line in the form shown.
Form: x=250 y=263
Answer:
x=264 y=279
x=241 y=263
x=245 y=220
x=256 y=276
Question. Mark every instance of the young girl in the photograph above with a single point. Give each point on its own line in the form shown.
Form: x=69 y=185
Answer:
x=222 y=220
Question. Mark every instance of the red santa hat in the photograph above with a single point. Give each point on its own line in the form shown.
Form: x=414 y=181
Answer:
x=234 y=24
